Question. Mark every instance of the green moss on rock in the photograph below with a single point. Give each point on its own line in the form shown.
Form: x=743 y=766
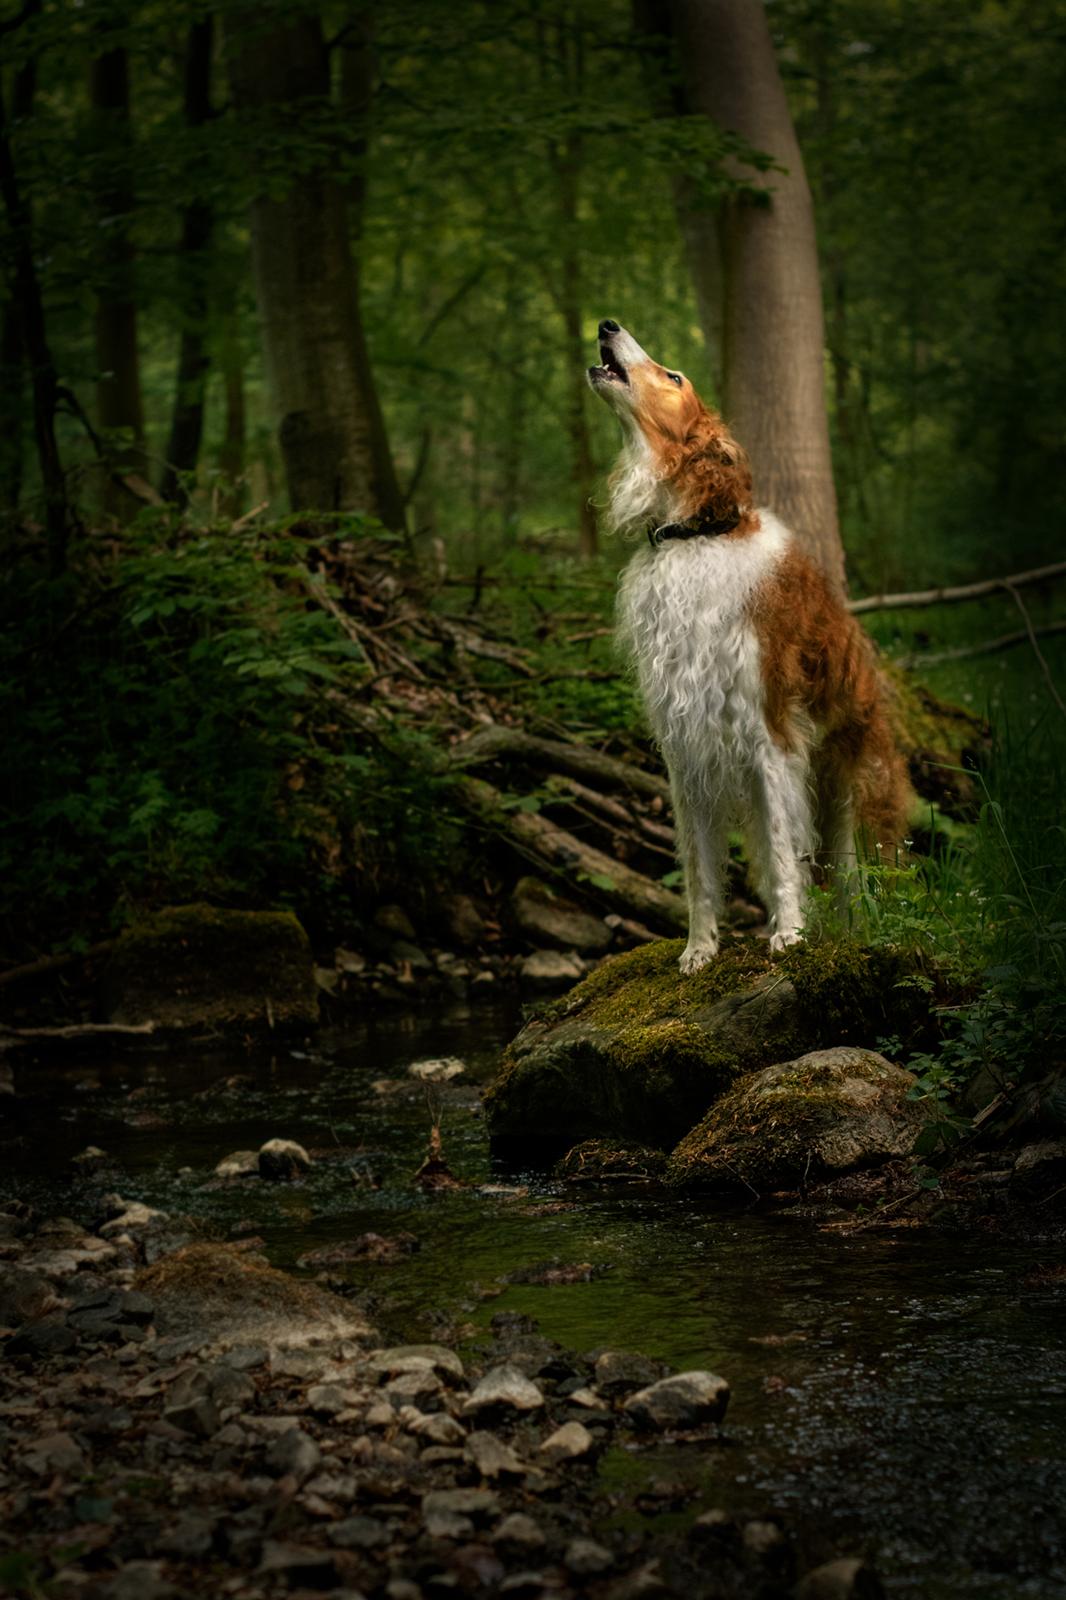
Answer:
x=638 y=1051
x=201 y=966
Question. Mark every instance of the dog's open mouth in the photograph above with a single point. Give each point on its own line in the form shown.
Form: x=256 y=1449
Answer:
x=612 y=370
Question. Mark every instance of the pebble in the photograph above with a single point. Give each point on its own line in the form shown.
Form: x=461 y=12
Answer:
x=687 y=1400
x=359 y=1533
x=618 y=1372
x=54 y=1452
x=414 y=1358
x=330 y=1399
x=848 y=1578
x=568 y=1443
x=412 y=1387
x=438 y=1427
x=282 y=1159
x=588 y=1399
x=504 y=1386
x=461 y=1503
x=295 y=1454
x=447 y=1525
x=241 y=1164
x=586 y=1558
x=492 y=1457
x=519 y=1532
x=444 y=1070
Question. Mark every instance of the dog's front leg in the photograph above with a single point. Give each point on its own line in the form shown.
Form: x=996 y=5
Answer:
x=783 y=840
x=701 y=846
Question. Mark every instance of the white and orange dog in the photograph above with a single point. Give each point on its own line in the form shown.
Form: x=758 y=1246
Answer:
x=760 y=687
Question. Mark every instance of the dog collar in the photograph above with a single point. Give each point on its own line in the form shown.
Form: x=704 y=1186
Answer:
x=705 y=528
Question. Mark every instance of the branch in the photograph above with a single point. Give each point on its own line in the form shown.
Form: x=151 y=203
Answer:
x=988 y=647
x=965 y=591
x=1030 y=630
x=43 y=964
x=500 y=743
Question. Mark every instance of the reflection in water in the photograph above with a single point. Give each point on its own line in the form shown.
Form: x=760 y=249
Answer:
x=900 y=1394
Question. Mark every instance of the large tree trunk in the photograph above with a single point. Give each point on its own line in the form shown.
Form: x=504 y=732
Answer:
x=332 y=442
x=187 y=418
x=766 y=278
x=118 y=385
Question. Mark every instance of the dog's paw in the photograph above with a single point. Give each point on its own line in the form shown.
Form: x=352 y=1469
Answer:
x=781 y=941
x=697 y=956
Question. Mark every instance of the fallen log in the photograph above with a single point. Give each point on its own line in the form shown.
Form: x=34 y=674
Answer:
x=500 y=743
x=533 y=835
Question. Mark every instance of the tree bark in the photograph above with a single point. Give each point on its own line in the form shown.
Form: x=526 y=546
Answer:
x=231 y=451
x=332 y=439
x=118 y=385
x=773 y=342
x=187 y=418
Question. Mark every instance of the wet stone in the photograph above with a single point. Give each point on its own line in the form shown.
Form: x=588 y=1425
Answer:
x=687 y=1400
x=461 y=1503
x=330 y=1399
x=281 y=1160
x=568 y=1443
x=359 y=1533
x=618 y=1372
x=241 y=1164
x=586 y=1558
x=519 y=1532
x=492 y=1457
x=438 y=1427
x=414 y=1358
x=848 y=1578
x=295 y=1454
x=505 y=1387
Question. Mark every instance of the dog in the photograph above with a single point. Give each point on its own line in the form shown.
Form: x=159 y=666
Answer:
x=760 y=687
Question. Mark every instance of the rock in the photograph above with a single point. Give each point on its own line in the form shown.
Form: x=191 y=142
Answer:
x=196 y=1414
x=299 y=1565
x=611 y=1161
x=45 y=1336
x=197 y=966
x=475 y=1503
x=547 y=970
x=547 y=918
x=519 y=1533
x=330 y=1399
x=295 y=1455
x=281 y=1160
x=241 y=1164
x=687 y=1400
x=587 y=1399
x=368 y=1247
x=447 y=1525
x=140 y=1580
x=135 y=1218
x=1041 y=1163
x=24 y=1296
x=568 y=1443
x=91 y=1159
x=587 y=1559
x=53 y=1453
x=394 y=920
x=359 y=1533
x=819 y=1116
x=444 y=1070
x=848 y=1578
x=507 y=1387
x=464 y=921
x=492 y=1457
x=228 y=1299
x=638 y=1052
x=438 y=1428
x=762 y=1538
x=617 y=1372
x=414 y=1388
x=414 y=1358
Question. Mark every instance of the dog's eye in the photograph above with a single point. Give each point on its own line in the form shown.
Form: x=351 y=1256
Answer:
x=675 y=377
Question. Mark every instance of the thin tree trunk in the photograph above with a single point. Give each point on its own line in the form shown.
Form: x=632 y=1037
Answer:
x=12 y=385
x=231 y=452
x=27 y=299
x=118 y=386
x=187 y=418
x=331 y=442
x=568 y=166
x=773 y=335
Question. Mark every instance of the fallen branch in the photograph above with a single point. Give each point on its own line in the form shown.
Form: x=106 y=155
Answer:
x=43 y=964
x=963 y=591
x=80 y=1030
x=987 y=647
x=530 y=833
x=500 y=743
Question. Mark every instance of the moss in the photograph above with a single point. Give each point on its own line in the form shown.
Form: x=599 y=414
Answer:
x=201 y=965
x=638 y=1050
x=611 y=1160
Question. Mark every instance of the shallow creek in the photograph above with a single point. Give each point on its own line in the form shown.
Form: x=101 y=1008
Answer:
x=899 y=1394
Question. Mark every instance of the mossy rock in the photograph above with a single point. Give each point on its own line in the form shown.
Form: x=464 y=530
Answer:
x=829 y=1112
x=637 y=1051
x=611 y=1161
x=941 y=743
x=198 y=966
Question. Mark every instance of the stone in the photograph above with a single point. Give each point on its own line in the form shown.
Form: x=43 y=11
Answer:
x=638 y=1052
x=611 y=1161
x=444 y=1070
x=241 y=1164
x=815 y=1117
x=507 y=1387
x=358 y=1533
x=548 y=970
x=45 y=1336
x=492 y=1457
x=199 y=966
x=394 y=920
x=437 y=1427
x=847 y=1578
x=24 y=1296
x=414 y=1388
x=586 y=1558
x=687 y=1400
x=618 y=1372
x=568 y=1443
x=295 y=1455
x=196 y=1414
x=330 y=1399
x=281 y=1160
x=140 y=1580
x=464 y=921
x=476 y=1503
x=132 y=1219
x=761 y=1538
x=53 y=1453
x=91 y=1159
x=447 y=1525
x=547 y=918
x=588 y=1399
x=300 y=1565
x=519 y=1532
x=414 y=1358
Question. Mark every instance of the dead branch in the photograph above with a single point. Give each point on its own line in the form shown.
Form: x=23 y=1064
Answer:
x=500 y=743
x=1031 y=631
x=963 y=591
x=43 y=964
x=987 y=647
x=80 y=1030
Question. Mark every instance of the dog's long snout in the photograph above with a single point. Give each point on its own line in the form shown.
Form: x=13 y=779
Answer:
x=607 y=326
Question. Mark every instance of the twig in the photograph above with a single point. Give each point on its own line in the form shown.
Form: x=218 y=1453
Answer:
x=1045 y=669
x=81 y=1030
x=964 y=591
x=988 y=647
x=249 y=516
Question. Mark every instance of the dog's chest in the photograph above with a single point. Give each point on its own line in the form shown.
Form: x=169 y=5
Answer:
x=685 y=618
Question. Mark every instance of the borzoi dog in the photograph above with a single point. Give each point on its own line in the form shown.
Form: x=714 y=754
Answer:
x=760 y=687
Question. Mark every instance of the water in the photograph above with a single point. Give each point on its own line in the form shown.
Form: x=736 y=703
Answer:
x=901 y=1395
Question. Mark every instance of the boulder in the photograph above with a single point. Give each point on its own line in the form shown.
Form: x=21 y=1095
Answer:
x=686 y=1400
x=281 y=1160
x=547 y=918
x=550 y=969
x=826 y=1113
x=198 y=966
x=636 y=1051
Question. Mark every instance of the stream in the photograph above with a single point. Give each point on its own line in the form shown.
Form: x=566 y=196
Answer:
x=896 y=1393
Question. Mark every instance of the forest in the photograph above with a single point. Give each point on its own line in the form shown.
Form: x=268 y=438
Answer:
x=308 y=666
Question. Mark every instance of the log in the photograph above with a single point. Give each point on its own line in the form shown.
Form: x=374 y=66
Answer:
x=530 y=834
x=500 y=743
x=79 y=1030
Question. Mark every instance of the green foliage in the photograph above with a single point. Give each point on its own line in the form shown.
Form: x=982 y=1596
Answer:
x=179 y=729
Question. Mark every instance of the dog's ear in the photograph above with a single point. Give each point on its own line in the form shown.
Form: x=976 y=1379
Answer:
x=712 y=472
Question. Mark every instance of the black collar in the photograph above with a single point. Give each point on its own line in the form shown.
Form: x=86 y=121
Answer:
x=703 y=527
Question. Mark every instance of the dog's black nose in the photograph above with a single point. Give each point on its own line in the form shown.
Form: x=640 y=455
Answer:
x=608 y=326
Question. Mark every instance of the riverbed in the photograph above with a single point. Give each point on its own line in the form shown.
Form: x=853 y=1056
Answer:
x=899 y=1394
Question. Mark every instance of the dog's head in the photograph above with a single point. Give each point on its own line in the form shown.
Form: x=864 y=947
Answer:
x=691 y=452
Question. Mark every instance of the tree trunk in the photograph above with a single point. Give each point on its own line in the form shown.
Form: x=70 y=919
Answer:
x=28 y=301
x=332 y=441
x=581 y=466
x=773 y=346
x=118 y=386
x=187 y=418
x=231 y=451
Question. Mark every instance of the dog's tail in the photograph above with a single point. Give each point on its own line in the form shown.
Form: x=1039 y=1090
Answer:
x=882 y=789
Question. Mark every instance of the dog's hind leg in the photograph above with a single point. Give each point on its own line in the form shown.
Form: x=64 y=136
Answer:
x=702 y=845
x=782 y=838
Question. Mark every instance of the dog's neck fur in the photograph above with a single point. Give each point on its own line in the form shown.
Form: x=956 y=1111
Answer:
x=639 y=494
